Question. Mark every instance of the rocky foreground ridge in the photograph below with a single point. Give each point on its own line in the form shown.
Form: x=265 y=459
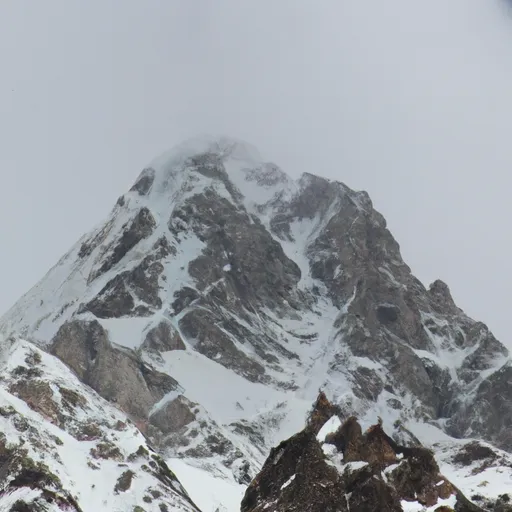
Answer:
x=333 y=466
x=220 y=294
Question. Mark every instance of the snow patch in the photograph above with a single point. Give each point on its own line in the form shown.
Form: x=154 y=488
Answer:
x=208 y=492
x=330 y=426
x=288 y=482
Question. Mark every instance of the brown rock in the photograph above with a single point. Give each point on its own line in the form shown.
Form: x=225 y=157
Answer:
x=473 y=452
x=261 y=273
x=124 y=482
x=141 y=226
x=378 y=448
x=442 y=298
x=417 y=476
x=315 y=486
x=173 y=416
x=322 y=411
x=116 y=299
x=348 y=439
x=144 y=182
x=162 y=338
x=117 y=375
x=201 y=330
x=38 y=395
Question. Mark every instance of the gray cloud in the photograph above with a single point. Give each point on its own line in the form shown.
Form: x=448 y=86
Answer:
x=408 y=100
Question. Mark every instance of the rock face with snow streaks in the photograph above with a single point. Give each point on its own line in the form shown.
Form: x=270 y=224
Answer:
x=220 y=294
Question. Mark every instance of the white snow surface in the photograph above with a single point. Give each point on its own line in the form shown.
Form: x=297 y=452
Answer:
x=329 y=427
x=208 y=491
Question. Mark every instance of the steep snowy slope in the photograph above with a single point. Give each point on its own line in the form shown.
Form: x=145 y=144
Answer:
x=64 y=448
x=220 y=294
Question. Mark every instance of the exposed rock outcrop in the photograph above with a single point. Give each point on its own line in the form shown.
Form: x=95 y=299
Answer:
x=365 y=472
x=174 y=415
x=144 y=182
x=119 y=296
x=201 y=327
x=162 y=338
x=118 y=375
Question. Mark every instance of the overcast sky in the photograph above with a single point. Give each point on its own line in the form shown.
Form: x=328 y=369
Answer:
x=409 y=100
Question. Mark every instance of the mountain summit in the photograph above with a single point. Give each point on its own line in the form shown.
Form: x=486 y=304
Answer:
x=220 y=295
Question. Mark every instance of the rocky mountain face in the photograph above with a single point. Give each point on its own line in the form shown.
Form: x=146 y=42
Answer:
x=220 y=295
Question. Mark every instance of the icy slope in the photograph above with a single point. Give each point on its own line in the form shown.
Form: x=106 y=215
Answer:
x=63 y=446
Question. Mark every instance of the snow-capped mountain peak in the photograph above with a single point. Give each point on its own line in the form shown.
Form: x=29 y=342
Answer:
x=220 y=294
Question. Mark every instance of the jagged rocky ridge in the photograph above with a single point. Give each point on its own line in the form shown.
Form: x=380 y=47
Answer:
x=220 y=295
x=333 y=466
